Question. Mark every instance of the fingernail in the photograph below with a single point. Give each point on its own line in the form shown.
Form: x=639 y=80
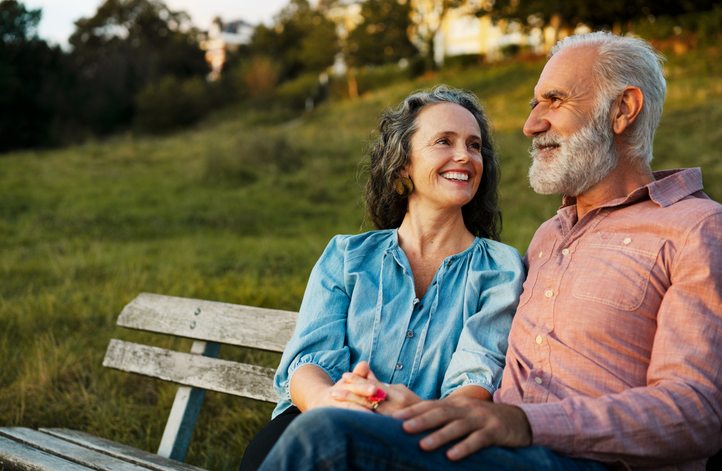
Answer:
x=412 y=424
x=347 y=375
x=335 y=393
x=428 y=442
x=454 y=453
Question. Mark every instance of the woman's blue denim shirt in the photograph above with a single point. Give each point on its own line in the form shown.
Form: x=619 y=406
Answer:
x=360 y=304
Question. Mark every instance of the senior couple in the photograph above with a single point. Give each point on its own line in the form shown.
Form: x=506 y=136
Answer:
x=429 y=345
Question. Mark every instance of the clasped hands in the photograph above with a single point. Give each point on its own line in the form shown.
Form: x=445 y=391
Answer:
x=461 y=417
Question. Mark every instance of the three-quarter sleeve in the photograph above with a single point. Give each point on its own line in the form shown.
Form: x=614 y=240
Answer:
x=479 y=357
x=319 y=337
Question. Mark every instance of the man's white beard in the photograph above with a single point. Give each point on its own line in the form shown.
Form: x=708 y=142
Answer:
x=579 y=162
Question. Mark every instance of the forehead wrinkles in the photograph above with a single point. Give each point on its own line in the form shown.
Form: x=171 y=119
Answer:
x=572 y=70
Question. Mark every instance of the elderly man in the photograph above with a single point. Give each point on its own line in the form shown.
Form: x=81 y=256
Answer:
x=615 y=353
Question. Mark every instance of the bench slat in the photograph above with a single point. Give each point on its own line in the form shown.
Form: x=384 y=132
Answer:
x=224 y=376
x=15 y=455
x=67 y=450
x=247 y=326
x=124 y=452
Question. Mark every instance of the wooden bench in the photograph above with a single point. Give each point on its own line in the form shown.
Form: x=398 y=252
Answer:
x=209 y=324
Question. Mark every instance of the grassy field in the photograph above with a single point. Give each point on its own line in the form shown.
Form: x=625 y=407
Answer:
x=235 y=210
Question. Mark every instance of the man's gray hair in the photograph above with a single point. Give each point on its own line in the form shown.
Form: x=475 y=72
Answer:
x=622 y=62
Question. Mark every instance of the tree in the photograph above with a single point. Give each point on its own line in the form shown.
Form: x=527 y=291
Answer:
x=17 y=24
x=595 y=13
x=31 y=80
x=302 y=40
x=126 y=46
x=428 y=16
x=382 y=37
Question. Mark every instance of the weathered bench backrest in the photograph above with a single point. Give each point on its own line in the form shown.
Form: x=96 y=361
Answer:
x=209 y=324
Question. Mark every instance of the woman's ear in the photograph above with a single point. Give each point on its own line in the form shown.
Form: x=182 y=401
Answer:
x=628 y=107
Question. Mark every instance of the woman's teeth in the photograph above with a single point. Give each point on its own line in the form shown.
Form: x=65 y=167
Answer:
x=462 y=177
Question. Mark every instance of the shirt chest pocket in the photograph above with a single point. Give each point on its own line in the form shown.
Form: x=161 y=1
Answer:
x=614 y=269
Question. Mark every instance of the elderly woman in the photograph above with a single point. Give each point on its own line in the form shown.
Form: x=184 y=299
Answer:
x=421 y=308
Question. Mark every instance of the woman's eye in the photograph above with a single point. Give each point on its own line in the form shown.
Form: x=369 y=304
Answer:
x=475 y=145
x=443 y=140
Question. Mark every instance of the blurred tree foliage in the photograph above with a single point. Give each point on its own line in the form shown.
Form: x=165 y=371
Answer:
x=383 y=35
x=31 y=75
x=596 y=14
x=118 y=68
x=302 y=40
x=427 y=17
x=127 y=46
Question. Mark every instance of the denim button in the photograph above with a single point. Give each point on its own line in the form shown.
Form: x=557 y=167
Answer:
x=409 y=334
x=399 y=366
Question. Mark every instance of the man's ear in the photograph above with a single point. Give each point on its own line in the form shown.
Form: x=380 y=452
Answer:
x=629 y=105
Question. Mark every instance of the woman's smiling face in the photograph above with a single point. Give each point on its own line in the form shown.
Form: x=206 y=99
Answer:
x=445 y=163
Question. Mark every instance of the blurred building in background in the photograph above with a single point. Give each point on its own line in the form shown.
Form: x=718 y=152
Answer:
x=469 y=30
x=222 y=37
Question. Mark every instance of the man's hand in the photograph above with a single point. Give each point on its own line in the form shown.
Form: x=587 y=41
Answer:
x=478 y=424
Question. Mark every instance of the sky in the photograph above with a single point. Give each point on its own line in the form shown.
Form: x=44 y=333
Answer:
x=59 y=16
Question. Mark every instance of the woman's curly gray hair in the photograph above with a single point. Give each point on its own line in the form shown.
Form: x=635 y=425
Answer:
x=390 y=152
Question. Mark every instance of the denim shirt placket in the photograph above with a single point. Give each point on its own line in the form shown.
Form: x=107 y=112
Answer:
x=416 y=316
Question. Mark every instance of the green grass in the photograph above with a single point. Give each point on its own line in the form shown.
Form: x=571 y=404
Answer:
x=235 y=210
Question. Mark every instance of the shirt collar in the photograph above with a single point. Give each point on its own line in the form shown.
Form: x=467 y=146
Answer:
x=669 y=187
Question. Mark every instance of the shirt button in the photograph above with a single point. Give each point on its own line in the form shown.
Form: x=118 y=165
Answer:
x=399 y=366
x=409 y=334
x=627 y=241
x=538 y=380
x=539 y=339
x=548 y=293
x=565 y=252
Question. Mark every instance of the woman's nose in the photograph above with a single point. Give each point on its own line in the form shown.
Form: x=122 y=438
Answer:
x=462 y=154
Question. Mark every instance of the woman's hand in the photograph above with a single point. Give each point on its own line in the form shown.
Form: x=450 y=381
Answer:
x=341 y=395
x=311 y=388
x=362 y=383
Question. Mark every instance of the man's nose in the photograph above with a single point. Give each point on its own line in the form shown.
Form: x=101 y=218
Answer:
x=535 y=123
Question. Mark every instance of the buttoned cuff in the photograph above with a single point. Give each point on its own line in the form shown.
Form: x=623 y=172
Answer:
x=550 y=426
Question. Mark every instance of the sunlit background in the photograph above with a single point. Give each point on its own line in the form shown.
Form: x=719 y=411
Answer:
x=213 y=154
